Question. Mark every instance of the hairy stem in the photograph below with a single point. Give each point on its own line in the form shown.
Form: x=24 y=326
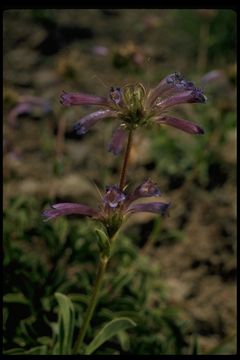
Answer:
x=92 y=304
x=125 y=161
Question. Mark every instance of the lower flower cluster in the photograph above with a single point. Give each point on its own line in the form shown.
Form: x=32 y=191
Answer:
x=115 y=205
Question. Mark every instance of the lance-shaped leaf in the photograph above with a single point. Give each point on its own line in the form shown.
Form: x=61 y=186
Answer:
x=62 y=209
x=118 y=140
x=71 y=98
x=181 y=124
x=37 y=350
x=152 y=207
x=108 y=331
x=66 y=323
x=91 y=119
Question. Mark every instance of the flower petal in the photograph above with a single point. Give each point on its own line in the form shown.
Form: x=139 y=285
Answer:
x=147 y=189
x=69 y=99
x=214 y=76
x=181 y=124
x=171 y=84
x=113 y=196
x=36 y=100
x=153 y=207
x=68 y=209
x=27 y=104
x=18 y=110
x=191 y=96
x=91 y=119
x=115 y=96
x=117 y=141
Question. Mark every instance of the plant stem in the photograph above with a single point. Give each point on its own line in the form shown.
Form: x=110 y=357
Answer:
x=125 y=161
x=103 y=261
x=92 y=303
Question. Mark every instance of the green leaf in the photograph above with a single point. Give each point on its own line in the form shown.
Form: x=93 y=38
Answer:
x=38 y=350
x=15 y=298
x=5 y=317
x=79 y=298
x=15 y=351
x=66 y=322
x=123 y=338
x=109 y=330
x=45 y=340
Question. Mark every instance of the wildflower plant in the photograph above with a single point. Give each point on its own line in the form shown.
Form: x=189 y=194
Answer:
x=133 y=107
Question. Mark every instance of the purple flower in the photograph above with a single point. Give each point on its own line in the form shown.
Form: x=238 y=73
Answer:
x=68 y=209
x=91 y=119
x=113 y=196
x=115 y=205
x=184 y=125
x=135 y=107
x=28 y=104
x=153 y=207
x=147 y=189
x=68 y=99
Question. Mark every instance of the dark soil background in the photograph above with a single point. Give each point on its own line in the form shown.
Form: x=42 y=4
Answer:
x=47 y=51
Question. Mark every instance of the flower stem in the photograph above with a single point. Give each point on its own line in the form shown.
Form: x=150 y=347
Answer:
x=92 y=304
x=125 y=161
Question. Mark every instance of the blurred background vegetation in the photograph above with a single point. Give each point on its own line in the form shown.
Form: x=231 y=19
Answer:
x=175 y=276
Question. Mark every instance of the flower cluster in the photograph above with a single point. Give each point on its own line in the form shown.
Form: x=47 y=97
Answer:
x=114 y=206
x=135 y=107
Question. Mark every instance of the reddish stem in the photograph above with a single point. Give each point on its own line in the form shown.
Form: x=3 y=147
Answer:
x=125 y=161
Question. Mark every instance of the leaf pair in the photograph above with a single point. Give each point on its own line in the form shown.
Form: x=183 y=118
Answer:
x=66 y=323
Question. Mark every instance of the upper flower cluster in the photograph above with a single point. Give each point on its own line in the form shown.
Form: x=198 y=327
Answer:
x=115 y=205
x=135 y=107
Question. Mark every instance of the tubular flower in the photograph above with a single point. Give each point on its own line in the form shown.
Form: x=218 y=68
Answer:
x=114 y=207
x=135 y=107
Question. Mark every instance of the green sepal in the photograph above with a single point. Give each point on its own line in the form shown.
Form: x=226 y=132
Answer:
x=103 y=243
x=113 y=224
